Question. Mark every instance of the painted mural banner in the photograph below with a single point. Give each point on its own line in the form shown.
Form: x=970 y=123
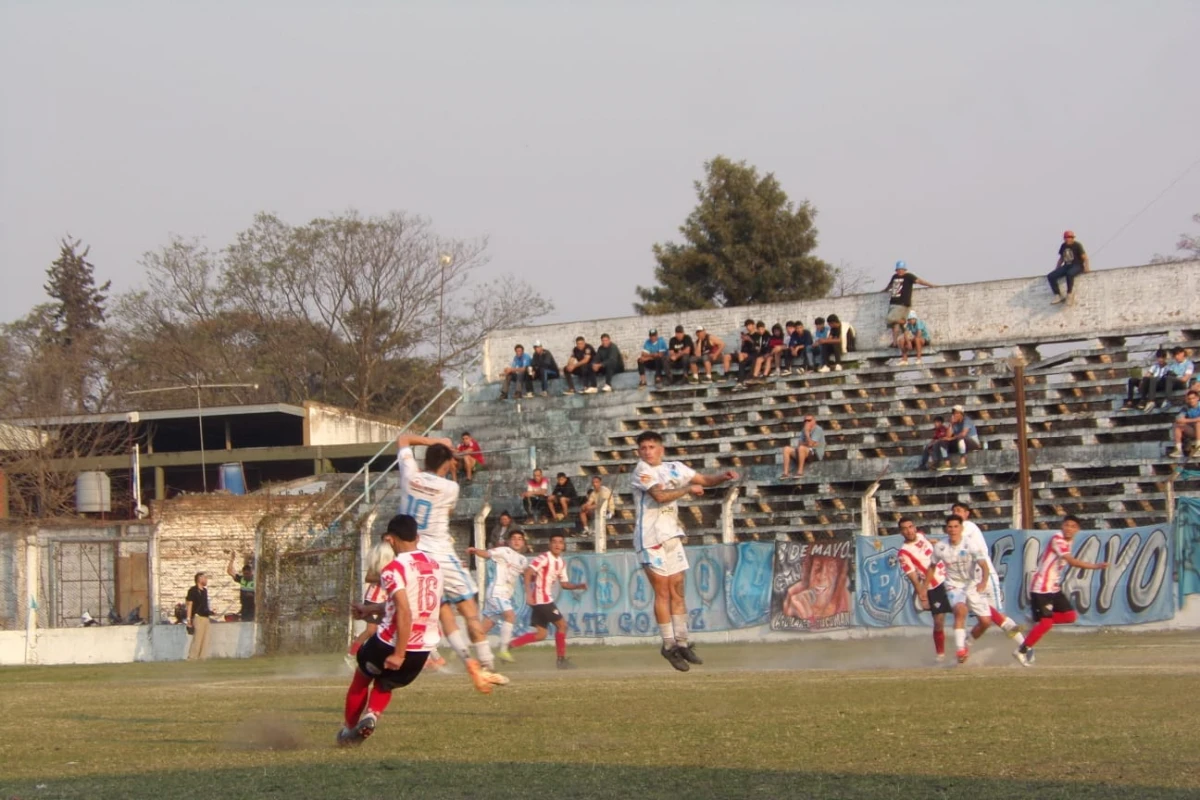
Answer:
x=1135 y=588
x=1187 y=545
x=812 y=587
x=727 y=587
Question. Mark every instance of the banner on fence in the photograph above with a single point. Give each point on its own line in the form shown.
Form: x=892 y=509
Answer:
x=727 y=587
x=1134 y=588
x=1187 y=545
x=813 y=585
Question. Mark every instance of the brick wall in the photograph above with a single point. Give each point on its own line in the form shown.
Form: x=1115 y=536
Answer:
x=1160 y=296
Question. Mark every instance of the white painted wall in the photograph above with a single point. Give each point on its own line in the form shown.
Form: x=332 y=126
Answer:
x=329 y=425
x=124 y=643
x=1129 y=299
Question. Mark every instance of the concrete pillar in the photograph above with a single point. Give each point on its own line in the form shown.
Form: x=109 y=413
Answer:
x=481 y=544
x=160 y=483
x=600 y=526
x=32 y=576
x=727 y=535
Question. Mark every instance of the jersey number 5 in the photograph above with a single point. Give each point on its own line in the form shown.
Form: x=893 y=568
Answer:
x=427 y=596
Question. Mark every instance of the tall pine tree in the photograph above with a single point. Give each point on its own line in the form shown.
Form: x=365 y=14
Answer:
x=79 y=310
x=745 y=243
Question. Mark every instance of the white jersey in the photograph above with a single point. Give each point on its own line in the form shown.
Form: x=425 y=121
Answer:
x=960 y=561
x=430 y=500
x=973 y=536
x=657 y=522
x=420 y=578
x=510 y=565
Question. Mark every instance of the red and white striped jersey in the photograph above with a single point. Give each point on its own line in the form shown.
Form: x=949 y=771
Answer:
x=374 y=594
x=548 y=569
x=915 y=557
x=420 y=578
x=1048 y=578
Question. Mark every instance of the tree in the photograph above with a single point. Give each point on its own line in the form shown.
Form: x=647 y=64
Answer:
x=848 y=279
x=744 y=243
x=1186 y=249
x=80 y=304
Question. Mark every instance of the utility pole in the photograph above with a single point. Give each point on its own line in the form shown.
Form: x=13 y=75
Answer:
x=1026 y=493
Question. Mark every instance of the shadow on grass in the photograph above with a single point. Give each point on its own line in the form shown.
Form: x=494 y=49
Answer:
x=364 y=774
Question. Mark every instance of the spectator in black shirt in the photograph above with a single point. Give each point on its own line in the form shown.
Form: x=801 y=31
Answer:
x=1072 y=260
x=799 y=347
x=607 y=362
x=900 y=289
x=580 y=365
x=245 y=582
x=679 y=353
x=561 y=498
x=544 y=366
x=831 y=345
x=198 y=614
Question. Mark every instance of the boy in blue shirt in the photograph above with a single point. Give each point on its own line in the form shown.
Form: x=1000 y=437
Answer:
x=653 y=355
x=1187 y=426
x=799 y=347
x=914 y=336
x=521 y=371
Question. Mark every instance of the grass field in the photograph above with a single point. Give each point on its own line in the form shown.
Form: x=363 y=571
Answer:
x=1103 y=715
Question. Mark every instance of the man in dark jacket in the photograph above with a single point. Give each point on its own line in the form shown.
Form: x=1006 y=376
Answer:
x=543 y=366
x=608 y=362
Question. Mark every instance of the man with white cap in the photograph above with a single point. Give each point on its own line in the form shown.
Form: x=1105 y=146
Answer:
x=899 y=290
x=913 y=337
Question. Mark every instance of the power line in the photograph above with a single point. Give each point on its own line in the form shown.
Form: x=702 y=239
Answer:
x=1158 y=197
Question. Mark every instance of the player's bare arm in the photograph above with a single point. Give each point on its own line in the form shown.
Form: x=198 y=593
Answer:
x=1078 y=564
x=403 y=629
x=919 y=586
x=371 y=612
x=713 y=480
x=573 y=587
x=663 y=496
x=529 y=584
x=410 y=440
x=475 y=551
x=985 y=574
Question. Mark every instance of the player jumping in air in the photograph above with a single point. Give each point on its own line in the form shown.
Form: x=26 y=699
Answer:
x=915 y=556
x=995 y=611
x=1051 y=606
x=429 y=497
x=510 y=565
x=658 y=539
x=395 y=655
x=542 y=573
x=966 y=566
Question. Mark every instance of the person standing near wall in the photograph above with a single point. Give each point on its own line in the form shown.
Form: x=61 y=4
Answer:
x=245 y=582
x=198 y=613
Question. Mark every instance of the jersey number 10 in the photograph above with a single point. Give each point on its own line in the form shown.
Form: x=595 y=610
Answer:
x=418 y=510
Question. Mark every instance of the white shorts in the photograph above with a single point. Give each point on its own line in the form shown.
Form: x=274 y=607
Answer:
x=496 y=606
x=457 y=583
x=978 y=603
x=668 y=558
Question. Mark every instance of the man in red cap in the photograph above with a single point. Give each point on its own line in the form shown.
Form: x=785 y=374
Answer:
x=1072 y=261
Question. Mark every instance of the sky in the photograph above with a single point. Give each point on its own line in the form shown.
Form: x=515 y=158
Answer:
x=960 y=137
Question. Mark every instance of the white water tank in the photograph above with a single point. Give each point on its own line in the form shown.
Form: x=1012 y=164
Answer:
x=93 y=493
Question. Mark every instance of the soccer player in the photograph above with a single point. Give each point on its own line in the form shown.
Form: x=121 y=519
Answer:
x=995 y=613
x=395 y=655
x=429 y=496
x=658 y=539
x=915 y=556
x=510 y=565
x=1050 y=603
x=542 y=573
x=378 y=558
x=967 y=579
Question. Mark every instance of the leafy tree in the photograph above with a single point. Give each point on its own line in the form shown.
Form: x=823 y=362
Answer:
x=745 y=243
x=1186 y=249
x=79 y=310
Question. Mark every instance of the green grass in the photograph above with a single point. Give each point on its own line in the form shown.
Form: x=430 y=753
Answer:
x=1101 y=716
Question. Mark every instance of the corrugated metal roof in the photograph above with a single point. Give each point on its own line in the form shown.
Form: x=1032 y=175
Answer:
x=170 y=413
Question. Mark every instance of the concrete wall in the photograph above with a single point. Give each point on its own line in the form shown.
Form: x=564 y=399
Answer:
x=1109 y=302
x=122 y=644
x=326 y=425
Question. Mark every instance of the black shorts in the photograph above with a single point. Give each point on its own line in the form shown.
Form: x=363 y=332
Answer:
x=939 y=602
x=545 y=615
x=372 y=655
x=1045 y=606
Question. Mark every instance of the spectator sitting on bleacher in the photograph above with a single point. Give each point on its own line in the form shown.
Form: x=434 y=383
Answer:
x=607 y=363
x=470 y=455
x=1072 y=261
x=900 y=289
x=914 y=337
x=1145 y=385
x=708 y=349
x=940 y=434
x=799 y=353
x=518 y=371
x=580 y=365
x=778 y=345
x=810 y=446
x=654 y=353
x=544 y=367
x=1187 y=427
x=679 y=355
x=747 y=352
x=963 y=437
x=831 y=345
x=820 y=331
x=561 y=498
x=536 y=497
x=1179 y=374
x=761 y=339
x=596 y=497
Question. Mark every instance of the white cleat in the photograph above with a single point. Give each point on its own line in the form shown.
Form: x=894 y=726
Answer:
x=494 y=678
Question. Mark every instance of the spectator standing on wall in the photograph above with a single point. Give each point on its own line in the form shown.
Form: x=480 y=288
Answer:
x=198 y=614
x=544 y=367
x=580 y=365
x=519 y=371
x=607 y=362
x=653 y=356
x=245 y=582
x=899 y=290
x=1072 y=261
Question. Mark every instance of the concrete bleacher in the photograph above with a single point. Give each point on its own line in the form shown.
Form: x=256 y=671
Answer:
x=1087 y=456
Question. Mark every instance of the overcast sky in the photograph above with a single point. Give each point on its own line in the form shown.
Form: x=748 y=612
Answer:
x=961 y=137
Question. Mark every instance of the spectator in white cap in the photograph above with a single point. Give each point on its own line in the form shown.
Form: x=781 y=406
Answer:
x=914 y=337
x=963 y=437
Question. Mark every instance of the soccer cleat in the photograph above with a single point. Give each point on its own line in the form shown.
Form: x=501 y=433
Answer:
x=435 y=663
x=672 y=655
x=348 y=737
x=565 y=663
x=1022 y=658
x=689 y=655
x=1029 y=656
x=494 y=678
x=365 y=726
x=940 y=658
x=475 y=672
x=962 y=655
x=506 y=656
